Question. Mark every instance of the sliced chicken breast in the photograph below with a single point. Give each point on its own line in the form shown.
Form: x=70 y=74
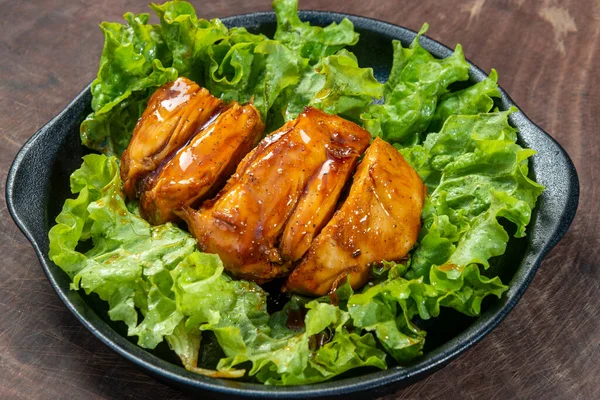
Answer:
x=282 y=193
x=175 y=112
x=199 y=169
x=379 y=220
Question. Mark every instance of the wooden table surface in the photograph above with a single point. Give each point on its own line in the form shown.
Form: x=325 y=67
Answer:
x=547 y=53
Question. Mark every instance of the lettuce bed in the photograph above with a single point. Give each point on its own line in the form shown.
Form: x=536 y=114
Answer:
x=162 y=287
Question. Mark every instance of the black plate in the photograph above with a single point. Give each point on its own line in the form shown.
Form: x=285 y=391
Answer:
x=38 y=184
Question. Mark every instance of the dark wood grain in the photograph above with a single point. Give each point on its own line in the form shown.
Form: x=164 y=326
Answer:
x=547 y=54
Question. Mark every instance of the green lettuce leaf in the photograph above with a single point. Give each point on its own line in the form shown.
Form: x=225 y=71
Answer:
x=281 y=356
x=388 y=309
x=230 y=73
x=282 y=77
x=132 y=265
x=311 y=42
x=347 y=88
x=129 y=261
x=416 y=82
x=187 y=37
x=133 y=64
x=257 y=70
x=477 y=174
x=336 y=85
x=235 y=311
x=127 y=59
x=472 y=100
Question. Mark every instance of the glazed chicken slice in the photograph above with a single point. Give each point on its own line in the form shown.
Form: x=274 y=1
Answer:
x=175 y=112
x=379 y=220
x=199 y=168
x=284 y=191
x=315 y=206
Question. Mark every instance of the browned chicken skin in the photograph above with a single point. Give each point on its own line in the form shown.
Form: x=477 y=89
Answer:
x=281 y=195
x=379 y=220
x=175 y=112
x=203 y=165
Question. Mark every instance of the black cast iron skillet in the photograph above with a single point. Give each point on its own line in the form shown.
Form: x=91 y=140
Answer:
x=38 y=184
